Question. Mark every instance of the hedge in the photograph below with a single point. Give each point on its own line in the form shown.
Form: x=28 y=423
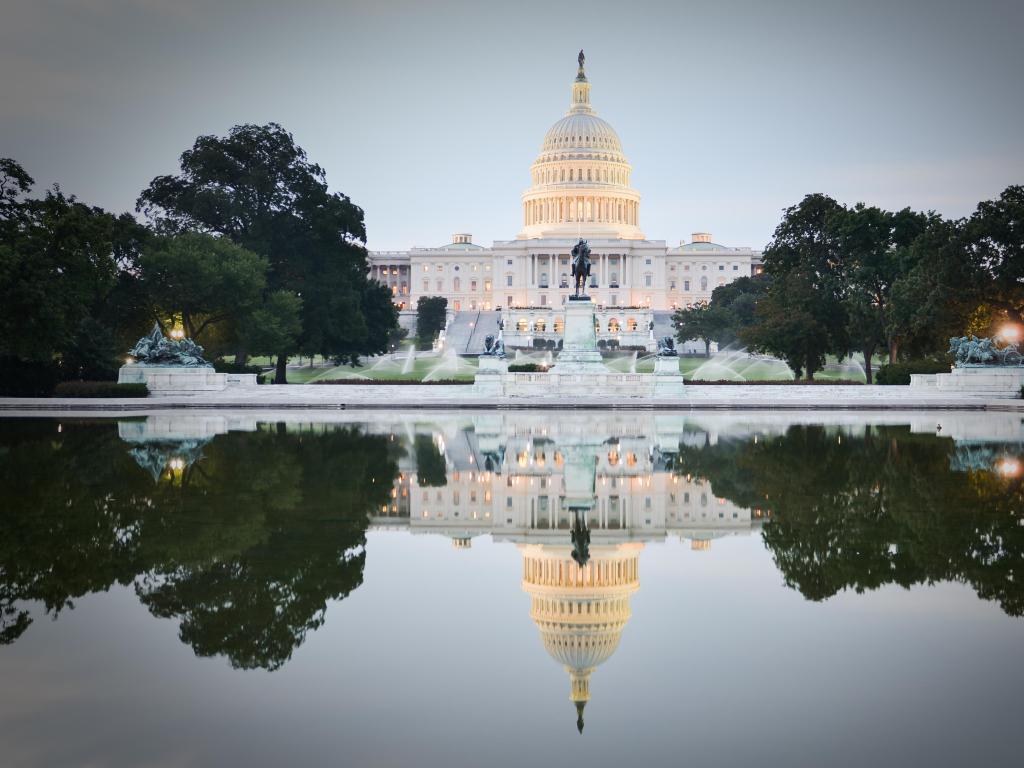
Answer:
x=392 y=382
x=527 y=368
x=899 y=373
x=99 y=389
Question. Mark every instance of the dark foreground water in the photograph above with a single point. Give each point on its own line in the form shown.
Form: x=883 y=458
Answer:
x=512 y=589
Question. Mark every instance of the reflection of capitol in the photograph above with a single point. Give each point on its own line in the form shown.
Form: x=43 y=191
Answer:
x=536 y=481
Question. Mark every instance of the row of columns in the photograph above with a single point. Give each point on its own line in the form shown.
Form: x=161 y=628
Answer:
x=601 y=266
x=559 y=210
x=594 y=573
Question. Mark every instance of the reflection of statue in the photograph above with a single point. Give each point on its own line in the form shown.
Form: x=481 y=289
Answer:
x=580 y=535
x=493 y=347
x=667 y=347
x=580 y=264
x=156 y=349
x=157 y=456
x=970 y=351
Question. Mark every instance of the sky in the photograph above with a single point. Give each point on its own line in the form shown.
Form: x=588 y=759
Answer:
x=429 y=114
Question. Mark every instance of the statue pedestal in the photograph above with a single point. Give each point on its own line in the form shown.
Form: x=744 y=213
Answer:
x=668 y=381
x=170 y=380
x=490 y=375
x=579 y=340
x=993 y=381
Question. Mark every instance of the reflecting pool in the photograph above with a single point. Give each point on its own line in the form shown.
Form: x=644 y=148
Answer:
x=512 y=588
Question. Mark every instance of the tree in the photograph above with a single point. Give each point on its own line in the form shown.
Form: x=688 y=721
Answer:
x=932 y=298
x=995 y=243
x=803 y=317
x=736 y=303
x=702 y=321
x=873 y=247
x=274 y=326
x=60 y=262
x=258 y=188
x=431 y=315
x=202 y=279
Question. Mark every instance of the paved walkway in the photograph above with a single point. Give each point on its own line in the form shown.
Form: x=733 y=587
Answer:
x=443 y=397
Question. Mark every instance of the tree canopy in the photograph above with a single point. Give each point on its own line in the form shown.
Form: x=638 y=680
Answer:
x=257 y=187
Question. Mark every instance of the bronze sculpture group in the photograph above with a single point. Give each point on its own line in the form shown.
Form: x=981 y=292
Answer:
x=970 y=351
x=156 y=349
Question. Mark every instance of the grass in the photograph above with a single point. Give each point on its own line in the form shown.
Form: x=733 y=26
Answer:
x=425 y=363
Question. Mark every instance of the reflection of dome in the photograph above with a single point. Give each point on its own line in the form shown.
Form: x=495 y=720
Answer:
x=580 y=180
x=580 y=611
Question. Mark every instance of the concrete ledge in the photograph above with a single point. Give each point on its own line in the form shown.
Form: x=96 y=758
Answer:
x=695 y=397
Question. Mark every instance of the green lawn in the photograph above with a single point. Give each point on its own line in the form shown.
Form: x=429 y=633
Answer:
x=429 y=365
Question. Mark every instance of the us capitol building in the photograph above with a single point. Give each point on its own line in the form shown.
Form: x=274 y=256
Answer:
x=581 y=187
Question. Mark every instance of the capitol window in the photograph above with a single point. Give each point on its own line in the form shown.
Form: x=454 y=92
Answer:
x=508 y=280
x=440 y=267
x=487 y=285
x=426 y=267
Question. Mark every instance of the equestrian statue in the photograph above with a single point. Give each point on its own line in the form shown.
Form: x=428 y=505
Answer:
x=580 y=267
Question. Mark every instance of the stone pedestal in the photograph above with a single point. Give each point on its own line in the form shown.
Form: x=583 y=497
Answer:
x=168 y=380
x=994 y=381
x=490 y=376
x=668 y=381
x=579 y=340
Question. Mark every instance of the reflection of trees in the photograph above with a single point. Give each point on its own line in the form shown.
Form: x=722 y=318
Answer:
x=862 y=511
x=245 y=546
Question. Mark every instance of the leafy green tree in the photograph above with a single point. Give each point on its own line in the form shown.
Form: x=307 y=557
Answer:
x=803 y=317
x=60 y=262
x=275 y=326
x=202 y=279
x=702 y=321
x=874 y=250
x=258 y=188
x=431 y=314
x=994 y=237
x=932 y=298
x=736 y=305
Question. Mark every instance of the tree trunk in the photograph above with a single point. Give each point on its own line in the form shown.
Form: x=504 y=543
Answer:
x=707 y=347
x=894 y=348
x=241 y=355
x=281 y=375
x=867 y=365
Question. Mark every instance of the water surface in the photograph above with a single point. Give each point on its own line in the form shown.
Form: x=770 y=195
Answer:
x=505 y=589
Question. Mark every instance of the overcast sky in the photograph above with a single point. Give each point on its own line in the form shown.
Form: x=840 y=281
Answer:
x=428 y=114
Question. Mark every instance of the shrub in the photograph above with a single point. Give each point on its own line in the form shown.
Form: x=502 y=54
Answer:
x=21 y=378
x=99 y=389
x=222 y=366
x=393 y=382
x=899 y=373
x=527 y=368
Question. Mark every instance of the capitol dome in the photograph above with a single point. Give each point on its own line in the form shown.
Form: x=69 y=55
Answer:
x=581 y=178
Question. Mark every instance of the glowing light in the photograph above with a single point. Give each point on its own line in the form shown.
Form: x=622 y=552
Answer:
x=1008 y=467
x=177 y=333
x=1011 y=332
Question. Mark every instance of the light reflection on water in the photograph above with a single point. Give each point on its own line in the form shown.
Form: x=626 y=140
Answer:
x=729 y=580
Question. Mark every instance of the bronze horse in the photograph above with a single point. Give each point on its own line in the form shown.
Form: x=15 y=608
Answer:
x=580 y=265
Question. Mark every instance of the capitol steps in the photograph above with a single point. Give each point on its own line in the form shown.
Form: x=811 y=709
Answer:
x=486 y=324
